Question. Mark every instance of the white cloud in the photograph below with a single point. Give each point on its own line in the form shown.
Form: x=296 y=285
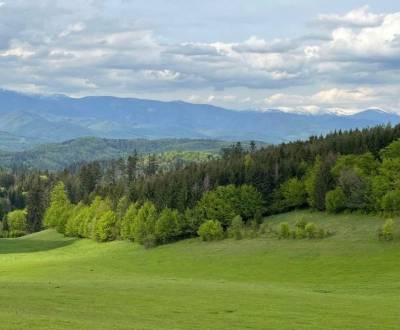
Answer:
x=89 y=51
x=360 y=17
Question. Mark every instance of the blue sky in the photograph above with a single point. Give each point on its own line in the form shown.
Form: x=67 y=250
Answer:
x=299 y=55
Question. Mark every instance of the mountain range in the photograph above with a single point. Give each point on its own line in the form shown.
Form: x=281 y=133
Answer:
x=28 y=120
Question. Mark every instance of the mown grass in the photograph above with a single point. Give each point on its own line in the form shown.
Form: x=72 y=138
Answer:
x=346 y=281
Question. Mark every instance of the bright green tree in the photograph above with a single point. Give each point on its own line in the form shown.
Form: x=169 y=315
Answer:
x=143 y=229
x=105 y=227
x=167 y=226
x=58 y=212
x=294 y=193
x=128 y=221
x=16 y=221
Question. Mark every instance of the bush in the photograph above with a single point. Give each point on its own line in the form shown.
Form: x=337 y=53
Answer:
x=236 y=228
x=387 y=231
x=265 y=228
x=335 y=200
x=321 y=233
x=300 y=232
x=105 y=227
x=301 y=223
x=311 y=230
x=15 y=234
x=16 y=221
x=211 y=230
x=391 y=202
x=284 y=231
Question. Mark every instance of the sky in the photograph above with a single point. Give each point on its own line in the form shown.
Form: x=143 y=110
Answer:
x=294 y=55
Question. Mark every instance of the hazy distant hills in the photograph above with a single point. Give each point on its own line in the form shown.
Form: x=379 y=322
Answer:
x=57 y=156
x=33 y=119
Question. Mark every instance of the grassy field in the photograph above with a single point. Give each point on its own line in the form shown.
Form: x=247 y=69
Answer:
x=346 y=281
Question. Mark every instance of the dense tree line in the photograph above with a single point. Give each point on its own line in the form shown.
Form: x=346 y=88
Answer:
x=353 y=170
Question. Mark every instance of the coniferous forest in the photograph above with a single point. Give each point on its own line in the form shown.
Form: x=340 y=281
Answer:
x=346 y=171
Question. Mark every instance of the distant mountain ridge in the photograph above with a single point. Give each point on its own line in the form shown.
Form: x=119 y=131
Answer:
x=58 y=118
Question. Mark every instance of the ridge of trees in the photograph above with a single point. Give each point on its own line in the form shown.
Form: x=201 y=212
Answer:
x=354 y=170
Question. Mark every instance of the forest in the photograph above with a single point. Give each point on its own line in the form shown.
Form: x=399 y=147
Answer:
x=136 y=199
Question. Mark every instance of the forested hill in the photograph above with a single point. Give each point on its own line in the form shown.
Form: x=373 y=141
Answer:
x=57 y=156
x=59 y=118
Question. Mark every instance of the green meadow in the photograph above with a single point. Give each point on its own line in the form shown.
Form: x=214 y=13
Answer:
x=349 y=280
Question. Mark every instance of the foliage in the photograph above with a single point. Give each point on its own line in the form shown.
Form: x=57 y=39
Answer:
x=167 y=227
x=284 y=231
x=143 y=227
x=391 y=202
x=293 y=193
x=57 y=214
x=236 y=228
x=127 y=222
x=17 y=221
x=386 y=232
x=211 y=230
x=104 y=228
x=311 y=230
x=225 y=202
x=335 y=200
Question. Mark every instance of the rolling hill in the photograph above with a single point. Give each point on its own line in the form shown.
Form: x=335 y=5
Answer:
x=57 y=156
x=58 y=118
x=346 y=281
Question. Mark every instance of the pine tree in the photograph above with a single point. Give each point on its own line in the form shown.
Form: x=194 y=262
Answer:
x=36 y=205
x=131 y=167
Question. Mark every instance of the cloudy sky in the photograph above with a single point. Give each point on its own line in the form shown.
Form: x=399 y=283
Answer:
x=294 y=55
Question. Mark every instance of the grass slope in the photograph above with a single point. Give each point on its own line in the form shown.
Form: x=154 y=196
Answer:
x=346 y=281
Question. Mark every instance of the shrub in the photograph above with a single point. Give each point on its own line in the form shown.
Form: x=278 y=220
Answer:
x=105 y=227
x=311 y=230
x=284 y=231
x=301 y=223
x=321 y=233
x=211 y=230
x=265 y=228
x=15 y=234
x=387 y=231
x=16 y=221
x=335 y=200
x=301 y=232
x=236 y=228
x=391 y=202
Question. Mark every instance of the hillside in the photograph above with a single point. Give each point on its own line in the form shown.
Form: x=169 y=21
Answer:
x=57 y=156
x=59 y=118
x=53 y=282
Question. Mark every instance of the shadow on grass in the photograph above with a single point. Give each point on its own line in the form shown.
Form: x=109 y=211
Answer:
x=8 y=246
